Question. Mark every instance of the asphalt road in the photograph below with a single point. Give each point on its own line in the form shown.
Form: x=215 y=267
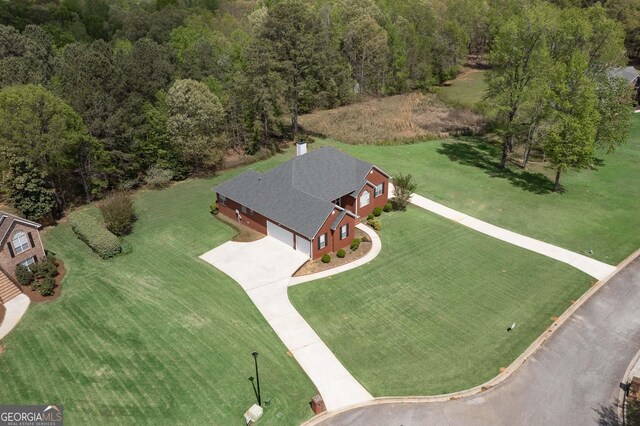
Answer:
x=573 y=379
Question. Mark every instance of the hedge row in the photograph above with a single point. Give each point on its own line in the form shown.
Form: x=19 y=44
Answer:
x=95 y=235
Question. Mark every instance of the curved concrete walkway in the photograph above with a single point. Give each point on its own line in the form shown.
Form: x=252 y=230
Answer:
x=586 y=264
x=15 y=309
x=263 y=268
x=376 y=246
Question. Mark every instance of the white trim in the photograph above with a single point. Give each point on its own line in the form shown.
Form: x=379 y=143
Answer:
x=19 y=220
x=20 y=247
x=368 y=198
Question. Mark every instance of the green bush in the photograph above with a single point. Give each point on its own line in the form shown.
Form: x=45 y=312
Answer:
x=157 y=177
x=24 y=275
x=341 y=253
x=89 y=230
x=326 y=258
x=370 y=216
x=213 y=208
x=355 y=244
x=46 y=286
x=375 y=224
x=377 y=211
x=44 y=270
x=118 y=213
x=387 y=207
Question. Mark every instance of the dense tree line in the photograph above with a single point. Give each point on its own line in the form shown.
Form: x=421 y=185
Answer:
x=551 y=85
x=94 y=93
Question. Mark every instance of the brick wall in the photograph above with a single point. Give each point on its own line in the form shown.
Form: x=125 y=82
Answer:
x=9 y=263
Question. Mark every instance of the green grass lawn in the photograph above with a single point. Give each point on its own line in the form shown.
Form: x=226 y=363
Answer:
x=599 y=211
x=430 y=314
x=154 y=337
x=466 y=90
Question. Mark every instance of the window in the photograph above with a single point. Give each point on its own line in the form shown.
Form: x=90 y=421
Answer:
x=222 y=199
x=244 y=210
x=322 y=241
x=365 y=198
x=29 y=261
x=344 y=231
x=20 y=243
x=379 y=190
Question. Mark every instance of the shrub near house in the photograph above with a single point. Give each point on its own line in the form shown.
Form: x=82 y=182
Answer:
x=95 y=235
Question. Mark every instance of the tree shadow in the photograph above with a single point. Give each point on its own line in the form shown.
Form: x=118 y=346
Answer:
x=608 y=415
x=484 y=155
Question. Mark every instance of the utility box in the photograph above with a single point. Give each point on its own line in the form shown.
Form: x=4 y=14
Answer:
x=253 y=414
x=317 y=404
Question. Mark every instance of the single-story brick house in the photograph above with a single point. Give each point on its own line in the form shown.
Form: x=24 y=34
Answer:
x=20 y=244
x=312 y=202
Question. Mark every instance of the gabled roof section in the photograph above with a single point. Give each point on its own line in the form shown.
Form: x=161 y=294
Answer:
x=628 y=73
x=299 y=194
x=7 y=221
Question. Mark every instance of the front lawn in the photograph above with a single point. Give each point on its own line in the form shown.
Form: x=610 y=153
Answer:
x=598 y=212
x=430 y=314
x=156 y=336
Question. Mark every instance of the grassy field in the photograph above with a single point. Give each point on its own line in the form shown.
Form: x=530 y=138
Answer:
x=466 y=90
x=598 y=211
x=156 y=336
x=392 y=120
x=430 y=314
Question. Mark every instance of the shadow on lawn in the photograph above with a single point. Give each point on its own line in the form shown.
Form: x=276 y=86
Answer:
x=484 y=155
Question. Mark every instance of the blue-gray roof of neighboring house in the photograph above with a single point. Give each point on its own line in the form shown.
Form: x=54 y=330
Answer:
x=299 y=193
x=628 y=73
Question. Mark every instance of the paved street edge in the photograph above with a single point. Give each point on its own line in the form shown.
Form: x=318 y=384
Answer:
x=515 y=365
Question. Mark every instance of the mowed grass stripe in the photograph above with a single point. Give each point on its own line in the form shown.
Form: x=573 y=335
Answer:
x=156 y=336
x=598 y=211
x=430 y=314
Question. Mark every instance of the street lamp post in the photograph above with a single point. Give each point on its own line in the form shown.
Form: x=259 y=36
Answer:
x=255 y=359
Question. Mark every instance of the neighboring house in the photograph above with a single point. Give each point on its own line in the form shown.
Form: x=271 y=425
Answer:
x=631 y=75
x=312 y=202
x=20 y=243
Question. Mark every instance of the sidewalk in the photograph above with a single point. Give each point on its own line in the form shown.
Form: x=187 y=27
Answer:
x=376 y=246
x=263 y=269
x=595 y=268
x=15 y=309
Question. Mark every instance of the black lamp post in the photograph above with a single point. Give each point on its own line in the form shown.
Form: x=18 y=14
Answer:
x=255 y=359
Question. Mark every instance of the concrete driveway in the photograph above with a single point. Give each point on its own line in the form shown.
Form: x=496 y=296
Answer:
x=573 y=379
x=263 y=268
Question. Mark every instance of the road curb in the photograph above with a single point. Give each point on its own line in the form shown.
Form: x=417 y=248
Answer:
x=512 y=368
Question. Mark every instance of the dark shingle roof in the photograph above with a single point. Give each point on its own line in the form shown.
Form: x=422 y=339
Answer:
x=299 y=193
x=7 y=220
x=337 y=220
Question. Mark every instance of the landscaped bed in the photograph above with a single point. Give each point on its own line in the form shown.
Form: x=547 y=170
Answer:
x=35 y=296
x=317 y=265
x=430 y=314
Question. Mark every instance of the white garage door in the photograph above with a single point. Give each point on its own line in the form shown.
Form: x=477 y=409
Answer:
x=303 y=245
x=280 y=233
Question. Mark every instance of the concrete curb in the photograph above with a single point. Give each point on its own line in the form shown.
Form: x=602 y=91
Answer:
x=376 y=246
x=515 y=365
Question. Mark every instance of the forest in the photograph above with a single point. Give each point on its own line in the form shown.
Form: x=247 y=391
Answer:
x=99 y=95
